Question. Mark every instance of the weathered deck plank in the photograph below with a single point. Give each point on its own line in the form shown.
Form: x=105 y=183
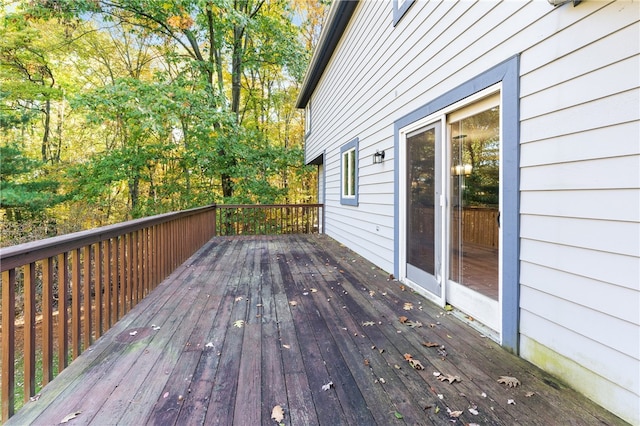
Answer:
x=203 y=367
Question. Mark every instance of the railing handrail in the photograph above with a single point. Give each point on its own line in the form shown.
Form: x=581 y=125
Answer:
x=22 y=254
x=264 y=206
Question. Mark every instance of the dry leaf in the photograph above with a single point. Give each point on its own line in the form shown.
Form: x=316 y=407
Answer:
x=314 y=290
x=368 y=323
x=414 y=324
x=430 y=344
x=133 y=333
x=286 y=346
x=293 y=303
x=403 y=319
x=448 y=308
x=511 y=402
x=449 y=378
x=382 y=380
x=402 y=288
x=512 y=382
x=277 y=413
x=155 y=327
x=209 y=345
x=372 y=293
x=239 y=298
x=408 y=306
x=238 y=323
x=529 y=394
x=454 y=414
x=327 y=386
x=473 y=411
x=408 y=356
x=366 y=362
x=416 y=364
x=70 y=416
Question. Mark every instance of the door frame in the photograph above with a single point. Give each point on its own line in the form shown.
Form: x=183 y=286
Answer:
x=506 y=73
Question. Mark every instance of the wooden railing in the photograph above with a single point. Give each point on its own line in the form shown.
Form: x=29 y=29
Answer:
x=241 y=219
x=71 y=289
x=61 y=294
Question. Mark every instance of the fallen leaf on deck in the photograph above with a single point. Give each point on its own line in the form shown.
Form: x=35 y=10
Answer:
x=239 y=298
x=368 y=323
x=529 y=394
x=512 y=382
x=414 y=324
x=166 y=395
x=259 y=305
x=155 y=327
x=454 y=414
x=306 y=293
x=430 y=344
x=327 y=386
x=408 y=306
x=238 y=323
x=402 y=288
x=473 y=411
x=437 y=410
x=293 y=303
x=366 y=362
x=449 y=378
x=372 y=293
x=408 y=357
x=398 y=415
x=133 y=333
x=314 y=290
x=286 y=346
x=511 y=401
x=416 y=364
x=396 y=366
x=209 y=345
x=436 y=374
x=382 y=380
x=448 y=308
x=403 y=319
x=70 y=416
x=277 y=413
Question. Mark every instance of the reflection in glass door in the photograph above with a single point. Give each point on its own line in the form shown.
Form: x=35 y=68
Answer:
x=422 y=216
x=474 y=201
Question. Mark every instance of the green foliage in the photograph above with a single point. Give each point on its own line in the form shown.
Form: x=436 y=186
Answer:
x=142 y=107
x=24 y=194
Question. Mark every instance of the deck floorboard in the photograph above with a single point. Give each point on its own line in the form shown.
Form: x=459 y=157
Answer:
x=248 y=323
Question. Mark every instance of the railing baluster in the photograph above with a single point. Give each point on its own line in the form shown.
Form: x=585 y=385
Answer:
x=98 y=285
x=8 y=342
x=29 y=330
x=75 y=303
x=47 y=320
x=63 y=330
x=86 y=296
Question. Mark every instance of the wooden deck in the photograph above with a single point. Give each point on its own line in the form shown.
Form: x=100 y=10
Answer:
x=249 y=323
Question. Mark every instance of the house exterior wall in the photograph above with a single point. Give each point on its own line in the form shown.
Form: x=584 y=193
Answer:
x=579 y=269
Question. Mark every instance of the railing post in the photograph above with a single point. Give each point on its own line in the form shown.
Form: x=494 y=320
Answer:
x=63 y=333
x=47 y=320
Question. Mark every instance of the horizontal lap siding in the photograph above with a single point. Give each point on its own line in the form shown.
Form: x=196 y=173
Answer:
x=380 y=73
x=580 y=204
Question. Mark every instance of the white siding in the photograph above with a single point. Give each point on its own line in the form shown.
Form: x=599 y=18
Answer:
x=580 y=159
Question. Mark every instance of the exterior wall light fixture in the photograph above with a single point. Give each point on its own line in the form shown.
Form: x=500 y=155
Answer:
x=378 y=157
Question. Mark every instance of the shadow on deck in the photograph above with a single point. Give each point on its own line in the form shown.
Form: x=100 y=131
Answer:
x=248 y=323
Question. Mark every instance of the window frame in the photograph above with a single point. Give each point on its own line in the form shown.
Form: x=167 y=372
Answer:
x=349 y=173
x=307 y=119
x=400 y=7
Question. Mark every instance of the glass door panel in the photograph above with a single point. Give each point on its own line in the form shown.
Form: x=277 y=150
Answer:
x=422 y=214
x=474 y=195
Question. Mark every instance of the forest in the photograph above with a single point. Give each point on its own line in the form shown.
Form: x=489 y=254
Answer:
x=114 y=110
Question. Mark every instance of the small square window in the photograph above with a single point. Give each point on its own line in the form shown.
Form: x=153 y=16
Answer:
x=349 y=173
